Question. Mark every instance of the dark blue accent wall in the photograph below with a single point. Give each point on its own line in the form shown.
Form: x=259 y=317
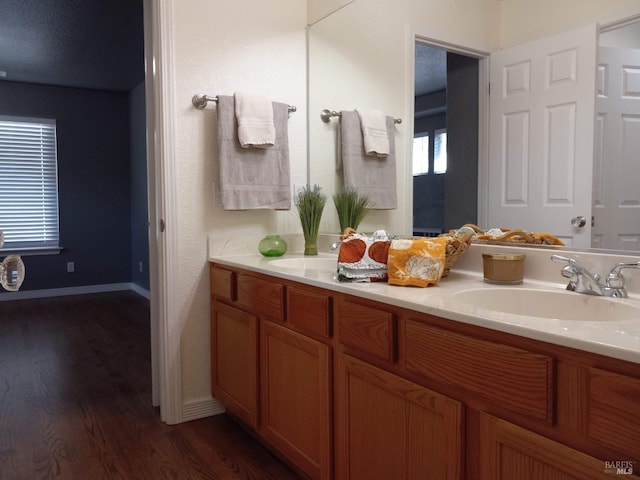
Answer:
x=139 y=196
x=95 y=171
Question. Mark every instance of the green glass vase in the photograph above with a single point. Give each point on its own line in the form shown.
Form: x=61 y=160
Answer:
x=272 y=246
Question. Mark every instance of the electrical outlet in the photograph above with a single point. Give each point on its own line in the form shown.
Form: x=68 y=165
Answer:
x=71 y=267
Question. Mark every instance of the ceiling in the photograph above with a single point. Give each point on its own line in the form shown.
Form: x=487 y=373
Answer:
x=430 y=69
x=96 y=44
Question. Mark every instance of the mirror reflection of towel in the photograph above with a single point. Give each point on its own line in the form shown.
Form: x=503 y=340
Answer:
x=372 y=176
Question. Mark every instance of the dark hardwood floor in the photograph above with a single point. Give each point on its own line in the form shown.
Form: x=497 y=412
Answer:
x=75 y=401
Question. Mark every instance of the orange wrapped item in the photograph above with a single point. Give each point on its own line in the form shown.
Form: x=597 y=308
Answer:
x=417 y=262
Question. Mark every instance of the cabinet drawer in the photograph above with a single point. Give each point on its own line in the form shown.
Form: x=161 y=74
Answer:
x=613 y=411
x=309 y=311
x=222 y=283
x=510 y=377
x=260 y=296
x=367 y=329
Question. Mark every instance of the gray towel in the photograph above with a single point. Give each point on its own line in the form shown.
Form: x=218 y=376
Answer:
x=253 y=178
x=369 y=175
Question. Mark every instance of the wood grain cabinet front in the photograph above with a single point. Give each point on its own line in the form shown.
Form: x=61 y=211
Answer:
x=260 y=296
x=309 y=311
x=602 y=406
x=368 y=330
x=510 y=377
x=223 y=283
x=390 y=428
x=347 y=388
x=613 y=411
x=234 y=360
x=509 y=452
x=295 y=402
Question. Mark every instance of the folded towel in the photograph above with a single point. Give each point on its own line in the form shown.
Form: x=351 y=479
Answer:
x=374 y=177
x=255 y=120
x=374 y=132
x=257 y=177
x=418 y=262
x=362 y=258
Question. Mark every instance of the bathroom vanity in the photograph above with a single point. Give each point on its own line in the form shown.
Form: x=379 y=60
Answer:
x=371 y=381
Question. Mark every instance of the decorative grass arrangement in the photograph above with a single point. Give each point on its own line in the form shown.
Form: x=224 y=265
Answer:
x=310 y=203
x=352 y=208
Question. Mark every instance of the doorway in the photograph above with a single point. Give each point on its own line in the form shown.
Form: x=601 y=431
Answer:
x=101 y=206
x=445 y=154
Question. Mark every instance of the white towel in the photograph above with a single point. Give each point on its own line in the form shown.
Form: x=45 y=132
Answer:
x=255 y=120
x=253 y=178
x=374 y=177
x=374 y=132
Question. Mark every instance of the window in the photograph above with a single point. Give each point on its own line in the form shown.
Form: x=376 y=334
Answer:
x=28 y=183
x=440 y=151
x=421 y=155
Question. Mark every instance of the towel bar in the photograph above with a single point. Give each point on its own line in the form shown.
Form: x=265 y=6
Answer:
x=200 y=101
x=326 y=115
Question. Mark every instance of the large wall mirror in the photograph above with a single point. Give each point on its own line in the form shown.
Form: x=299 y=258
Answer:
x=364 y=56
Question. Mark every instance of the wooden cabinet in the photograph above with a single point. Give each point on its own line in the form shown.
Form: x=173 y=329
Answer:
x=368 y=330
x=348 y=388
x=234 y=367
x=294 y=398
x=275 y=379
x=511 y=377
x=390 y=428
x=509 y=452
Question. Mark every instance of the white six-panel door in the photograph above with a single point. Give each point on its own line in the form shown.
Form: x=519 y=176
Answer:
x=616 y=191
x=541 y=135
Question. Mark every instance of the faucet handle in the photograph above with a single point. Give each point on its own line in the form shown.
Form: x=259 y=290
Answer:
x=560 y=258
x=615 y=279
x=573 y=267
x=571 y=261
x=619 y=266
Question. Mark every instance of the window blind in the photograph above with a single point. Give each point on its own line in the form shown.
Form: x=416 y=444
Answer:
x=28 y=183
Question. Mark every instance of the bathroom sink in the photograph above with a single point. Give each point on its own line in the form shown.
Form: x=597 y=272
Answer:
x=562 y=305
x=328 y=264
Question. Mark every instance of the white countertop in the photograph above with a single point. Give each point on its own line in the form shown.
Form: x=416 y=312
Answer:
x=617 y=339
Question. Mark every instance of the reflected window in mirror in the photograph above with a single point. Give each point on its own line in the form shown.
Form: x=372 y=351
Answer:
x=421 y=155
x=440 y=151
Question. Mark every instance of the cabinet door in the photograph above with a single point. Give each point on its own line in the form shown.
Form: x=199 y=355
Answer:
x=391 y=428
x=510 y=452
x=295 y=399
x=234 y=360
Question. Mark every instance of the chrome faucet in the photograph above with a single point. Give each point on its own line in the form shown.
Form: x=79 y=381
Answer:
x=614 y=286
x=581 y=280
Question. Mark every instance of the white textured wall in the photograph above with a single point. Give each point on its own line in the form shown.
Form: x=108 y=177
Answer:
x=361 y=57
x=525 y=20
x=222 y=46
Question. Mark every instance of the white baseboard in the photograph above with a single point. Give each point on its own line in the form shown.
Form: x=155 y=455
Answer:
x=201 y=408
x=60 y=292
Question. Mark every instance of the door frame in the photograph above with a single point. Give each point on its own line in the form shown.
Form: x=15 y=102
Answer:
x=454 y=46
x=163 y=240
